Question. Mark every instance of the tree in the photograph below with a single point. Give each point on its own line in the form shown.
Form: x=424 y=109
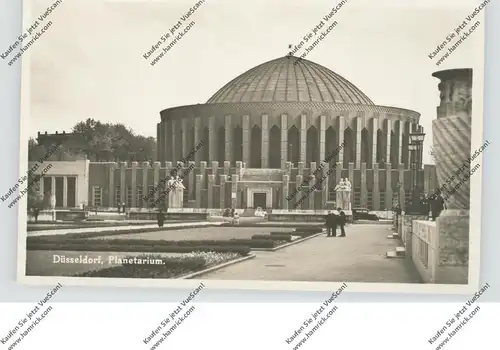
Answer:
x=36 y=201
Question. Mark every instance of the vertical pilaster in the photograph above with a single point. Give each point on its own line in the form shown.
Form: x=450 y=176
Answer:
x=364 y=189
x=388 y=186
x=376 y=187
x=227 y=168
x=134 y=184
x=156 y=180
x=210 y=194
x=185 y=148
x=222 y=191
x=401 y=179
x=358 y=143
x=374 y=141
x=284 y=140
x=65 y=191
x=325 y=183
x=300 y=168
x=228 y=129
x=388 y=124
x=351 y=180
x=123 y=184
x=399 y=130
x=215 y=170
x=197 y=139
x=199 y=180
x=265 y=142
x=203 y=173
x=191 y=181
x=212 y=137
x=165 y=142
x=246 y=139
x=53 y=185
x=111 y=184
x=174 y=141
x=298 y=185
x=312 y=183
x=340 y=137
x=284 y=191
x=145 y=192
x=234 y=191
x=322 y=137
x=303 y=138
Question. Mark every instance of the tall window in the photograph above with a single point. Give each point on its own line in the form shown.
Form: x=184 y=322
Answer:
x=118 y=194
x=129 y=196
x=138 y=196
x=97 y=196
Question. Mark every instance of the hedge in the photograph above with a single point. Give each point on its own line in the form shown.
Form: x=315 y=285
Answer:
x=106 y=246
x=282 y=237
x=77 y=226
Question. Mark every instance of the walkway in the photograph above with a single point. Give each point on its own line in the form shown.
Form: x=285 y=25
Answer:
x=359 y=257
x=119 y=228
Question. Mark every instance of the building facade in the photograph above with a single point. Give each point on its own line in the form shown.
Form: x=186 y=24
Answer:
x=261 y=139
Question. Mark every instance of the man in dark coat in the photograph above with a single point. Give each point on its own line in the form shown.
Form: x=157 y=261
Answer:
x=437 y=206
x=160 y=218
x=342 y=221
x=331 y=224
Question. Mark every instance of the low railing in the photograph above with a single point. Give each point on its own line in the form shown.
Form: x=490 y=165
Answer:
x=425 y=248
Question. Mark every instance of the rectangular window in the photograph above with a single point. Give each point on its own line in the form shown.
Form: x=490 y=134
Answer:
x=129 y=196
x=97 y=196
x=118 y=194
x=138 y=196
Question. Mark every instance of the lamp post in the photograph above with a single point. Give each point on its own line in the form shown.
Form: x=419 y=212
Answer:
x=415 y=147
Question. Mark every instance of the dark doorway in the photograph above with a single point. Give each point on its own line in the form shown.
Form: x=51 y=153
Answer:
x=259 y=200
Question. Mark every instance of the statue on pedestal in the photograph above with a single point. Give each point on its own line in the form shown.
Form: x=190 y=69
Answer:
x=343 y=190
x=175 y=192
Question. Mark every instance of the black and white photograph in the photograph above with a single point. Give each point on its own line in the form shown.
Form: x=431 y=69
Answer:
x=271 y=145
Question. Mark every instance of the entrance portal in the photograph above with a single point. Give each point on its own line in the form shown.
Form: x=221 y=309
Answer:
x=259 y=200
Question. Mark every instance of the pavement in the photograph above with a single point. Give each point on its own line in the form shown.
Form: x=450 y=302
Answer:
x=359 y=257
x=119 y=228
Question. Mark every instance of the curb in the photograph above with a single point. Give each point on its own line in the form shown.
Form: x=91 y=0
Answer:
x=288 y=244
x=213 y=268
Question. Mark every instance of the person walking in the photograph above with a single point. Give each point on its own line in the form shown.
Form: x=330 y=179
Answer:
x=119 y=206
x=342 y=221
x=160 y=218
x=331 y=225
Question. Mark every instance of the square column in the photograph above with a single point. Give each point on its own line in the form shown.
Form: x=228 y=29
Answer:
x=175 y=139
x=401 y=179
x=322 y=137
x=376 y=188
x=265 y=142
x=388 y=130
x=197 y=139
x=210 y=191
x=156 y=180
x=399 y=131
x=234 y=191
x=284 y=191
x=358 y=143
x=212 y=137
x=185 y=148
x=65 y=191
x=229 y=139
x=246 y=139
x=340 y=137
x=145 y=191
x=364 y=190
x=222 y=191
x=134 y=184
x=303 y=138
x=111 y=185
x=284 y=140
x=199 y=180
x=388 y=186
x=123 y=167
x=374 y=130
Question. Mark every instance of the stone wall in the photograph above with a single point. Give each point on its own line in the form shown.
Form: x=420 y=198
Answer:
x=425 y=249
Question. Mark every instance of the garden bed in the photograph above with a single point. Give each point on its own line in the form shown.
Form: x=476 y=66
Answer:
x=172 y=267
x=32 y=227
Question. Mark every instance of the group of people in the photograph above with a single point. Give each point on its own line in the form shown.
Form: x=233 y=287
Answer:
x=333 y=220
x=121 y=207
x=433 y=204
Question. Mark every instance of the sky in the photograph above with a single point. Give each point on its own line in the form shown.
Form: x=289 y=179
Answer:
x=90 y=64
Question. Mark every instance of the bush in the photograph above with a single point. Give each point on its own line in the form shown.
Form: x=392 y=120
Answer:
x=276 y=237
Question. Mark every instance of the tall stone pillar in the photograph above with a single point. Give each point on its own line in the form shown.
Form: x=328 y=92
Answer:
x=145 y=191
x=175 y=140
x=303 y=138
x=340 y=137
x=210 y=194
x=401 y=179
x=222 y=191
x=284 y=141
x=228 y=150
x=452 y=148
x=165 y=143
x=300 y=192
x=351 y=180
x=376 y=188
x=191 y=181
x=212 y=139
x=388 y=124
x=326 y=184
x=111 y=184
x=364 y=190
x=374 y=130
x=399 y=130
x=123 y=184
x=265 y=142
x=388 y=186
x=65 y=191
x=358 y=143
x=197 y=139
x=134 y=184
x=185 y=149
x=234 y=191
x=246 y=139
x=284 y=191
x=199 y=187
x=322 y=137
x=312 y=182
x=156 y=180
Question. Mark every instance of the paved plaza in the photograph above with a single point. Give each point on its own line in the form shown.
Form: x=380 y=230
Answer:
x=359 y=257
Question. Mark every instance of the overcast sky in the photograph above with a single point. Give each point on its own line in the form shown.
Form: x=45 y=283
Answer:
x=89 y=63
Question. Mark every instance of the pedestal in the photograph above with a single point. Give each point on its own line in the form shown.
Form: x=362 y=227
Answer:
x=343 y=200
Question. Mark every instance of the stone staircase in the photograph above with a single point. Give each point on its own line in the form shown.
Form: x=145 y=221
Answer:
x=398 y=253
x=248 y=213
x=255 y=174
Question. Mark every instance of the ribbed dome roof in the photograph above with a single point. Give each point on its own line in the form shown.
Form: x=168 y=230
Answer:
x=280 y=80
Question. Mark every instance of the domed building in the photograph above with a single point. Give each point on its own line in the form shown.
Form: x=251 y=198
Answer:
x=279 y=136
x=268 y=129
